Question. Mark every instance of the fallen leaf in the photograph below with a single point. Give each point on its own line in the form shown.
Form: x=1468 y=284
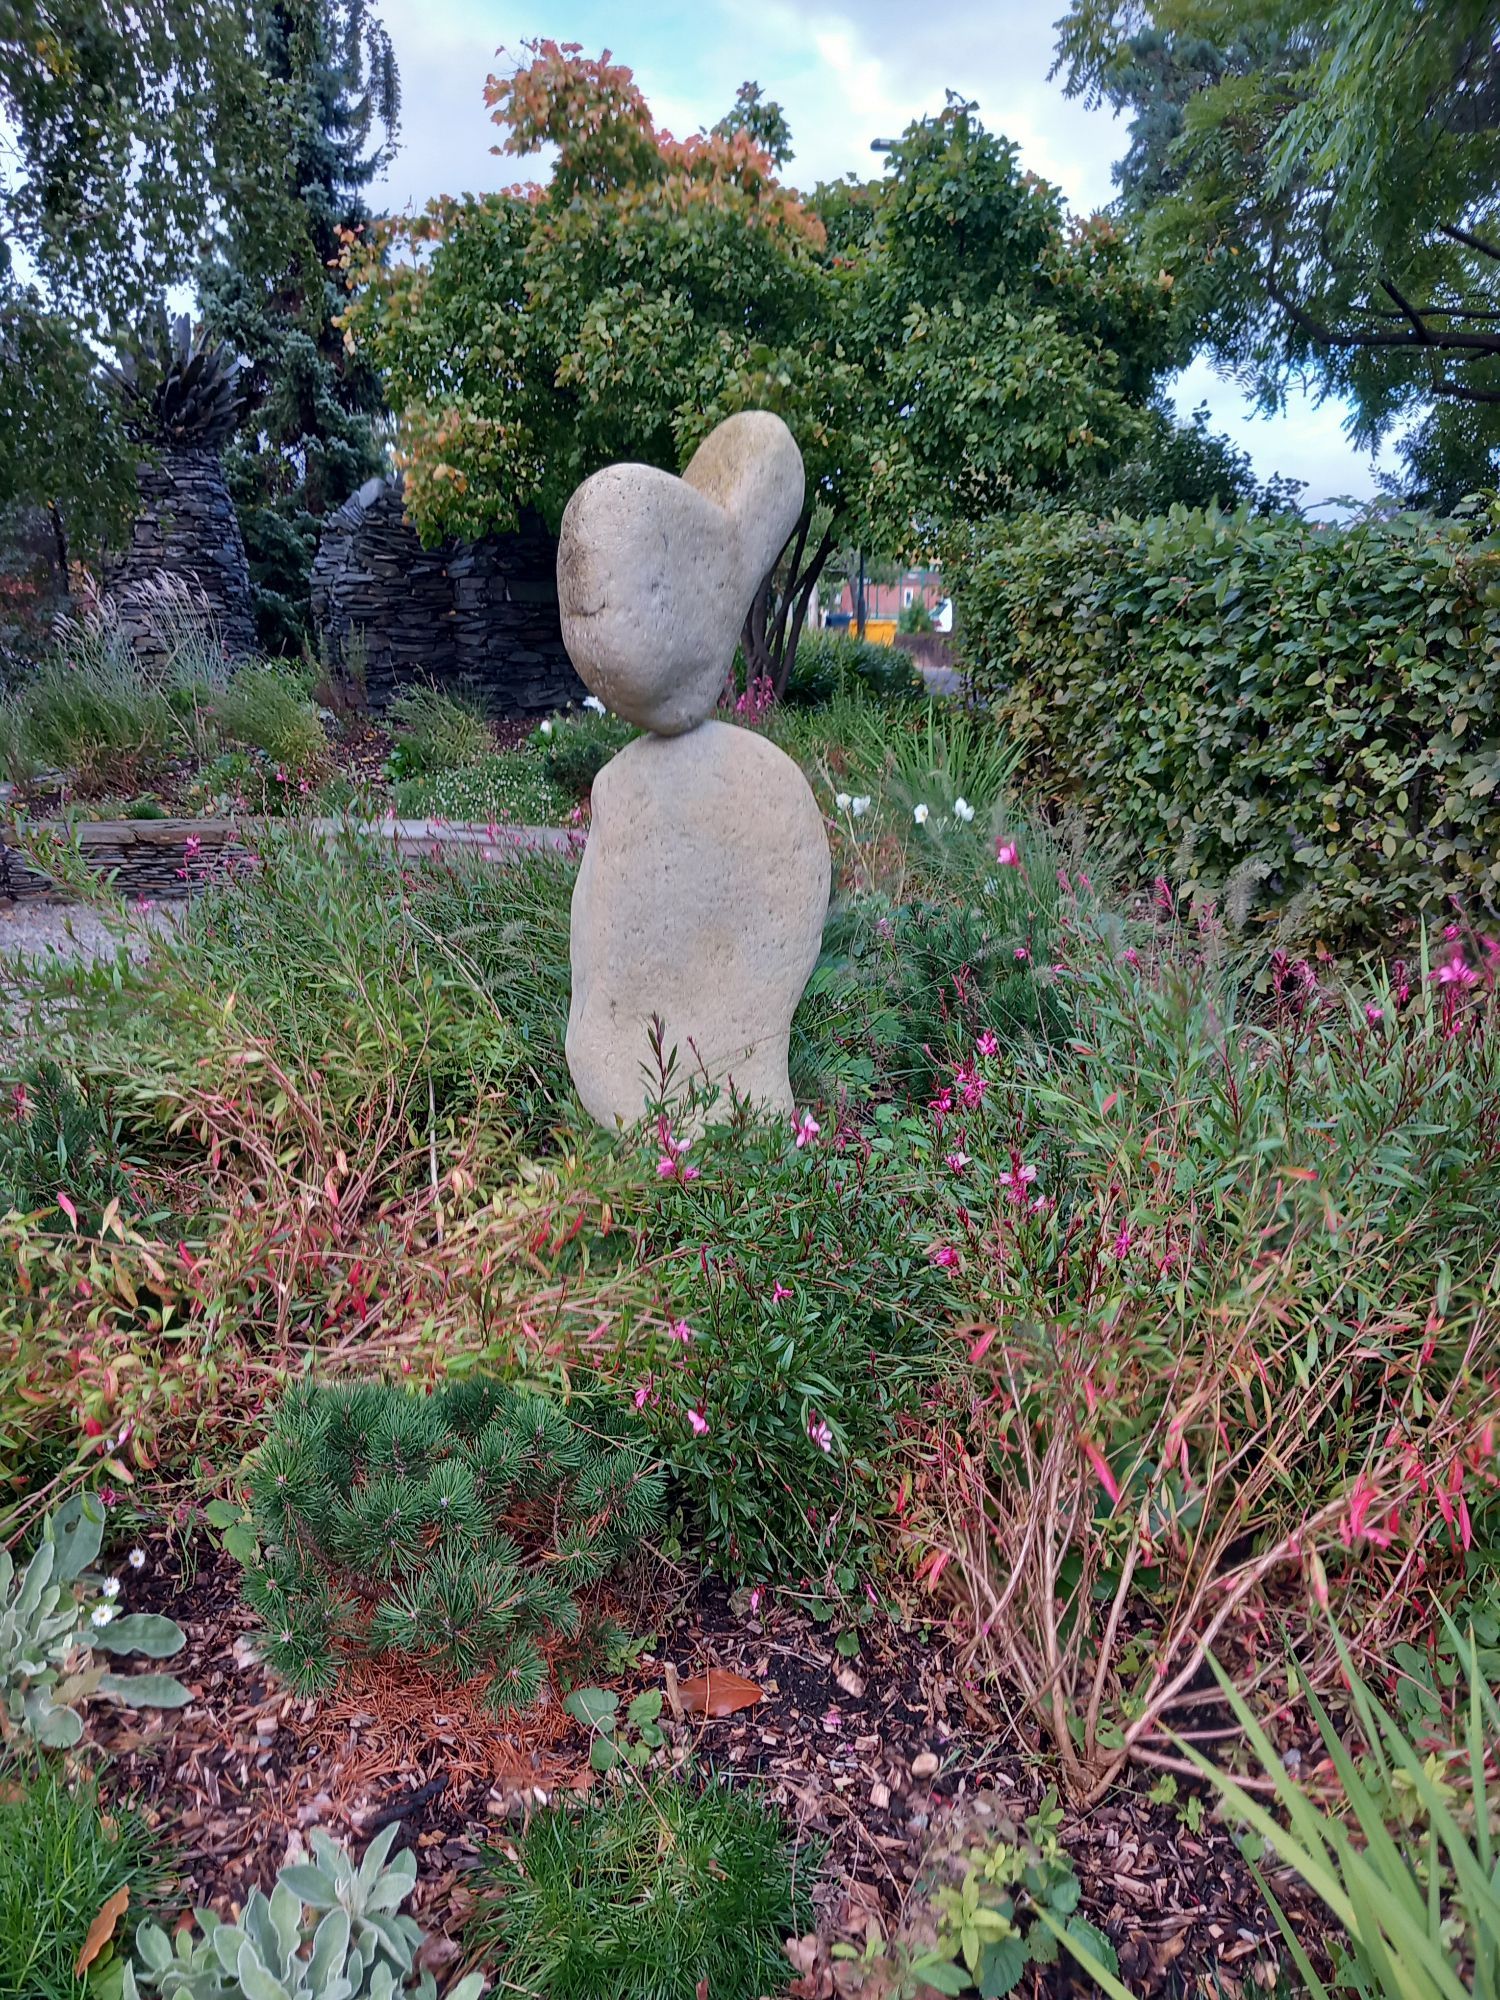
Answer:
x=719 y=1692
x=101 y=1930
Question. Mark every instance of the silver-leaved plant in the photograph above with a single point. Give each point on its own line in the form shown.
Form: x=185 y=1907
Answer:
x=56 y=1614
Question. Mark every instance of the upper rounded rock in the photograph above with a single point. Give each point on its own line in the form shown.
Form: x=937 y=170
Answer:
x=655 y=574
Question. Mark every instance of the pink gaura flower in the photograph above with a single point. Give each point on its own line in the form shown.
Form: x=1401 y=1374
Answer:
x=956 y=1160
x=820 y=1434
x=969 y=1084
x=1456 y=971
x=987 y=1045
x=680 y=1330
x=1023 y=956
x=1123 y=1241
x=806 y=1129
x=673 y=1164
x=1008 y=853
x=1373 y=1014
x=1130 y=955
x=755 y=1596
x=192 y=846
x=944 y=1256
x=1018 y=1181
x=1163 y=889
x=779 y=1292
x=699 y=1423
x=646 y=1393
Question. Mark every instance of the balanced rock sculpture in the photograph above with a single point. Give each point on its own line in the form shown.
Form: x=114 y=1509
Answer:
x=704 y=884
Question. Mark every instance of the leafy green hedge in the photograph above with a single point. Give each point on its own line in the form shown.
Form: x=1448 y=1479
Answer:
x=832 y=663
x=1297 y=713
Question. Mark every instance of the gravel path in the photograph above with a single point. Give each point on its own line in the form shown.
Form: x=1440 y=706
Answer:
x=38 y=929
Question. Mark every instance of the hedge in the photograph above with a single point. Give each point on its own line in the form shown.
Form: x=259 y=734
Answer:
x=1266 y=709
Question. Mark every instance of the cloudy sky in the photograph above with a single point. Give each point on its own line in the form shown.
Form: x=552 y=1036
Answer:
x=847 y=72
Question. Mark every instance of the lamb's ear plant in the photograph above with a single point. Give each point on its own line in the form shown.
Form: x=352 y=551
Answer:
x=55 y=1614
x=331 y=1929
x=1420 y=1904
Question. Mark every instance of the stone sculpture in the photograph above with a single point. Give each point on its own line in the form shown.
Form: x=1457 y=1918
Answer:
x=704 y=884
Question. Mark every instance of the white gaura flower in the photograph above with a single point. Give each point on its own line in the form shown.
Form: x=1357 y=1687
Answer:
x=102 y=1614
x=592 y=701
x=963 y=810
x=860 y=806
x=547 y=727
x=919 y=814
x=843 y=801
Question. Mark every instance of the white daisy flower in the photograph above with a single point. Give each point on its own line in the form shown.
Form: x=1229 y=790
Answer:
x=111 y=1586
x=102 y=1614
x=137 y=1559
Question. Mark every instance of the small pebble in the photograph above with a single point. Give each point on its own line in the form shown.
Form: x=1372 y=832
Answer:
x=924 y=1766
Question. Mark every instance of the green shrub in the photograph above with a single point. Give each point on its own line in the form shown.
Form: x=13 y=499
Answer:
x=578 y=744
x=266 y=707
x=1237 y=1258
x=462 y=1528
x=798 y=1319
x=435 y=731
x=58 y=1141
x=655 y=1892
x=508 y=786
x=1267 y=709
x=830 y=664
x=331 y=1929
x=60 y=1863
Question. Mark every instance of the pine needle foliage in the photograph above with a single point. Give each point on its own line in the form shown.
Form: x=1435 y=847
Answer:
x=460 y=1528
x=656 y=1892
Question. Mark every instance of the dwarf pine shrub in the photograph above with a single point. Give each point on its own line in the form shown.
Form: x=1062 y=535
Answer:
x=462 y=1528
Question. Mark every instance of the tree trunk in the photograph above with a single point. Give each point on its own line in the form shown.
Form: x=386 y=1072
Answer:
x=773 y=626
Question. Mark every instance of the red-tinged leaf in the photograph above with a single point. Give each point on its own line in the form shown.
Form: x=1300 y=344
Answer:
x=331 y=1189
x=1109 y=1103
x=66 y=1205
x=981 y=1346
x=101 y=1930
x=719 y=1692
x=1100 y=1464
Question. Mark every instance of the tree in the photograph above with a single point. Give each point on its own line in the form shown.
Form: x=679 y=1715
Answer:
x=1325 y=185
x=942 y=341
x=307 y=439
x=1183 y=464
x=129 y=124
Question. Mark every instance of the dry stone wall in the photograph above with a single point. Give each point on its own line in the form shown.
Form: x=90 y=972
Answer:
x=478 y=615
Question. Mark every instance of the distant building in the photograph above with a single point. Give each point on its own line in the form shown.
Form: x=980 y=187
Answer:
x=885 y=602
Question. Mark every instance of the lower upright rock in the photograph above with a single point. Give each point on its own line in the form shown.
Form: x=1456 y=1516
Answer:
x=701 y=898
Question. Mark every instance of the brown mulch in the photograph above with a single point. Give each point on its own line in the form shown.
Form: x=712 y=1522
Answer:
x=869 y=1759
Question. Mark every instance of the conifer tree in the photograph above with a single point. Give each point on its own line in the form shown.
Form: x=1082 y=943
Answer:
x=463 y=1528
x=308 y=439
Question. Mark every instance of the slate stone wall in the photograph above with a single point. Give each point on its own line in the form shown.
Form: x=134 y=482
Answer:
x=185 y=528
x=481 y=616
